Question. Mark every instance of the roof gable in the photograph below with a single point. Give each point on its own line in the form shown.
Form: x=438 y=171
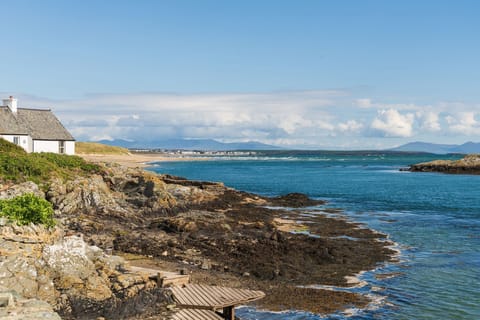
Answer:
x=39 y=124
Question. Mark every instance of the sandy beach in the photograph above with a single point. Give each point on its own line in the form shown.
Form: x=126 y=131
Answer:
x=134 y=160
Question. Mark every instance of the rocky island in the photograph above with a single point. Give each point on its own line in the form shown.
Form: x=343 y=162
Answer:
x=111 y=217
x=470 y=164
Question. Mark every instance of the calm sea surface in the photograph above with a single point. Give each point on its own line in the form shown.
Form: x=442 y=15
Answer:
x=434 y=218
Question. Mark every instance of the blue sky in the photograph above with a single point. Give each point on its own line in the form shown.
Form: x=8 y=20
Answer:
x=331 y=74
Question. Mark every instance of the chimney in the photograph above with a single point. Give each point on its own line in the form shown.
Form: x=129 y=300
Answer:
x=11 y=103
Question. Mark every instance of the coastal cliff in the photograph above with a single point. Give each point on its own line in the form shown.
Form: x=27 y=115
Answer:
x=470 y=164
x=218 y=235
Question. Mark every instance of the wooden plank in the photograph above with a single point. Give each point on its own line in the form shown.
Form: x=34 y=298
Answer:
x=212 y=297
x=182 y=297
x=193 y=314
x=202 y=295
x=167 y=278
x=175 y=281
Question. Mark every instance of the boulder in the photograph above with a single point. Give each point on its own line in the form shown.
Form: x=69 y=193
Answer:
x=40 y=263
x=20 y=189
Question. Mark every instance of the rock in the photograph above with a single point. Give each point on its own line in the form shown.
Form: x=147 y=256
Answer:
x=470 y=164
x=20 y=189
x=41 y=263
x=15 y=307
x=295 y=200
x=206 y=264
x=6 y=300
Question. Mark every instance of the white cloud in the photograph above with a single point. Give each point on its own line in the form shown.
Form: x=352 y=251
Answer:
x=350 y=126
x=464 y=123
x=296 y=118
x=429 y=120
x=219 y=116
x=364 y=103
x=391 y=123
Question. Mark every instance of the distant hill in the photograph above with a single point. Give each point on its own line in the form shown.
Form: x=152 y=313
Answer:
x=468 y=147
x=190 y=144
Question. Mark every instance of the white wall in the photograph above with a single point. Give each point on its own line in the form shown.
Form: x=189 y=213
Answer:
x=45 y=146
x=25 y=141
x=70 y=147
x=53 y=146
x=30 y=145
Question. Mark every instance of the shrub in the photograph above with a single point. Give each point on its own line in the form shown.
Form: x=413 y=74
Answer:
x=17 y=166
x=67 y=162
x=27 y=209
x=6 y=146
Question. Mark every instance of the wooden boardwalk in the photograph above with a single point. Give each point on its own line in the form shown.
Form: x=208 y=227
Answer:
x=196 y=314
x=163 y=278
x=213 y=298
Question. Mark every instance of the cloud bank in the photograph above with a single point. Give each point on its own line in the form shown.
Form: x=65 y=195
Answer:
x=312 y=119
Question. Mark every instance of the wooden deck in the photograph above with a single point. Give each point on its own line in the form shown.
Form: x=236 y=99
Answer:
x=196 y=314
x=213 y=298
x=163 y=278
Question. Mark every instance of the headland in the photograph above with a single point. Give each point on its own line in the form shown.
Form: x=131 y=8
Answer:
x=470 y=164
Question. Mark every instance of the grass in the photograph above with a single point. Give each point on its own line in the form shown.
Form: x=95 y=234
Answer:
x=98 y=148
x=18 y=166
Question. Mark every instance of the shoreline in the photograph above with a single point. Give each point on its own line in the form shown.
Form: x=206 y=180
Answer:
x=136 y=160
x=273 y=258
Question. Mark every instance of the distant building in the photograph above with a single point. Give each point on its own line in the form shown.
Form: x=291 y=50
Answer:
x=35 y=130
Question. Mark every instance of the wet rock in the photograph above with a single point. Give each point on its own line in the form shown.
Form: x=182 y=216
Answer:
x=295 y=200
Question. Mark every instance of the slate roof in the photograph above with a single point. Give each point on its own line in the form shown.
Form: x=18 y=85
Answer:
x=39 y=124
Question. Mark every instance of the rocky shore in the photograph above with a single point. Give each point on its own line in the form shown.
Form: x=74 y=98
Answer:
x=219 y=235
x=470 y=164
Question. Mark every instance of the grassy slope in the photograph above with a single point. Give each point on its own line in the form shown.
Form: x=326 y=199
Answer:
x=18 y=166
x=98 y=148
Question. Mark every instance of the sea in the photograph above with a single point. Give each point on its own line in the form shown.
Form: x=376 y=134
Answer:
x=433 y=218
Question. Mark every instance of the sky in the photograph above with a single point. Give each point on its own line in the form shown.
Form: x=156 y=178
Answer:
x=340 y=74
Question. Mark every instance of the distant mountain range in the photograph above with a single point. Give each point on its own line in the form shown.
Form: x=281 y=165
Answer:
x=468 y=147
x=190 y=144
x=213 y=145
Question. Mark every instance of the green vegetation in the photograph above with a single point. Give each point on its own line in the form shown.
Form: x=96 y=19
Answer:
x=98 y=148
x=27 y=209
x=18 y=166
x=6 y=146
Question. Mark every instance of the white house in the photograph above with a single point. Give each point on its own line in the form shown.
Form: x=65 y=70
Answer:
x=35 y=130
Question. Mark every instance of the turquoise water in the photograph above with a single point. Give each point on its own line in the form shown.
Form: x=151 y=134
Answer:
x=434 y=218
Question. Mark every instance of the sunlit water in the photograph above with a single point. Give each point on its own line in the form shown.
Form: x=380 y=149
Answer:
x=434 y=218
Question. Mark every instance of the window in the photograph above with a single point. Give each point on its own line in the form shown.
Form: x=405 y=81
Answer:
x=16 y=140
x=61 y=146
